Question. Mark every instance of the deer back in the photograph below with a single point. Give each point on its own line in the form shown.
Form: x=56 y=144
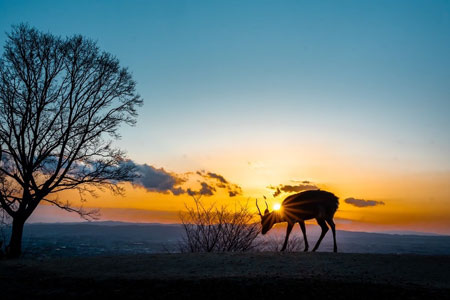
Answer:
x=310 y=204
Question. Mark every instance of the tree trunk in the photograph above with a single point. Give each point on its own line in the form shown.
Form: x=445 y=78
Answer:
x=14 y=248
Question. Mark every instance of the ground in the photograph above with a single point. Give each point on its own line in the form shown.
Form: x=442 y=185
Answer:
x=266 y=275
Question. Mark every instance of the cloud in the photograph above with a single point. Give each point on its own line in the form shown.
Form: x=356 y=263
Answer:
x=297 y=188
x=301 y=181
x=162 y=181
x=277 y=192
x=219 y=181
x=363 y=203
x=218 y=177
x=286 y=188
x=206 y=190
x=234 y=190
x=157 y=180
x=146 y=176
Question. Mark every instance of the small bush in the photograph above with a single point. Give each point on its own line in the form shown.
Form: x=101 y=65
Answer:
x=218 y=229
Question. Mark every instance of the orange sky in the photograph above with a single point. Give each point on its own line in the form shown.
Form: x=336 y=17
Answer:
x=412 y=200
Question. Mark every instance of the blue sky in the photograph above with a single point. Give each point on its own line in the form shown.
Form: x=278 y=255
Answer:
x=373 y=76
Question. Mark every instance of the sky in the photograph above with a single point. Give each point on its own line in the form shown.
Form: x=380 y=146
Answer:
x=347 y=96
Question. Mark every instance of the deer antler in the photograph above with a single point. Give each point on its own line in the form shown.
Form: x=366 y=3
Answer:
x=265 y=200
x=259 y=211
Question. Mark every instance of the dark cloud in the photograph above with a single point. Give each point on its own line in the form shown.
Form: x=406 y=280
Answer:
x=220 y=178
x=277 y=192
x=233 y=193
x=162 y=181
x=220 y=182
x=286 y=188
x=363 y=203
x=234 y=190
x=297 y=188
x=206 y=190
x=157 y=180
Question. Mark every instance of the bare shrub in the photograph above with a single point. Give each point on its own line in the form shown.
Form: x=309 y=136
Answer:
x=218 y=229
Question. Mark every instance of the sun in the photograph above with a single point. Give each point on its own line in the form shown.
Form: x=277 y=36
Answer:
x=277 y=206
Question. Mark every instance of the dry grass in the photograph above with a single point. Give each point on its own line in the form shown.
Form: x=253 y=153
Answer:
x=235 y=275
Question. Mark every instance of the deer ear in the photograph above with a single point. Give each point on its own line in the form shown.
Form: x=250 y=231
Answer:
x=266 y=211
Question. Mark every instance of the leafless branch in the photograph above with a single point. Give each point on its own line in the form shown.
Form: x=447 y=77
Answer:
x=217 y=229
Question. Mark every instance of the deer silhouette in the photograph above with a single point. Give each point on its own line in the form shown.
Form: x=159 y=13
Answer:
x=297 y=208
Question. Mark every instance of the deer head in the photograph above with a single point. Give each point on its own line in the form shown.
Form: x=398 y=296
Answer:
x=267 y=220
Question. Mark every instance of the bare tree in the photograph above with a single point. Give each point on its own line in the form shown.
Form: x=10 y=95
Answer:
x=62 y=100
x=218 y=229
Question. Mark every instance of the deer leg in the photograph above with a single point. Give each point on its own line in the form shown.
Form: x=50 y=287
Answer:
x=324 y=227
x=302 y=226
x=333 y=229
x=288 y=232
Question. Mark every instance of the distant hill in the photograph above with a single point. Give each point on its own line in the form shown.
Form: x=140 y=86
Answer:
x=111 y=238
